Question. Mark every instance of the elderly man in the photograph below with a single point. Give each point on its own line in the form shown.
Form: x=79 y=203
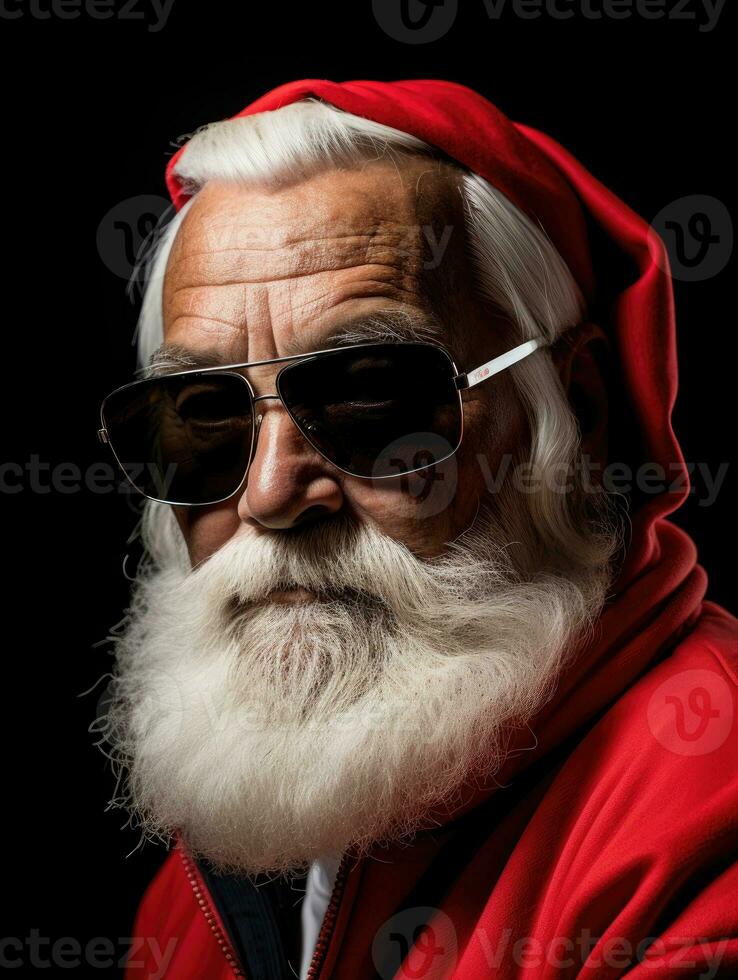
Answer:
x=413 y=687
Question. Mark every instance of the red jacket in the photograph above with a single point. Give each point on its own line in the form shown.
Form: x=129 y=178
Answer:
x=608 y=844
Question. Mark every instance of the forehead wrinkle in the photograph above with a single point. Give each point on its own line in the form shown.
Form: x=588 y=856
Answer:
x=287 y=277
x=370 y=197
x=370 y=257
x=335 y=297
x=376 y=272
x=297 y=215
x=384 y=324
x=229 y=332
x=386 y=227
x=209 y=335
x=199 y=296
x=227 y=304
x=202 y=307
x=300 y=259
x=207 y=302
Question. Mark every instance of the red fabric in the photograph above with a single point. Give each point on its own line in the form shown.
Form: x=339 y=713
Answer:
x=617 y=819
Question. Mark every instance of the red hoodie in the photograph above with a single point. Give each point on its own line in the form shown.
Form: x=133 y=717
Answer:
x=610 y=845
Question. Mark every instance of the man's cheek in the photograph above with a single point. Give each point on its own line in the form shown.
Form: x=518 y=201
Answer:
x=206 y=529
x=421 y=510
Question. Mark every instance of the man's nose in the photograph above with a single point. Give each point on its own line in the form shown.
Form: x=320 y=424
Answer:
x=288 y=482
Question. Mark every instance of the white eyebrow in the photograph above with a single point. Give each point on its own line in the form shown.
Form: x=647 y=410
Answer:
x=174 y=357
x=388 y=325
x=382 y=325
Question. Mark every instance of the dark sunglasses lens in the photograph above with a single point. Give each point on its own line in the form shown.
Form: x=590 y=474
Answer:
x=377 y=411
x=184 y=439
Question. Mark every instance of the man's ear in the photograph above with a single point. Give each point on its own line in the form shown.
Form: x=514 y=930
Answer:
x=581 y=356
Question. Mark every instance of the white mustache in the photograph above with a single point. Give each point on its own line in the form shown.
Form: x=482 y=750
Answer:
x=330 y=724
x=335 y=560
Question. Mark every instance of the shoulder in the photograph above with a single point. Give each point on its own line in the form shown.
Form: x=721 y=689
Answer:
x=641 y=821
x=669 y=744
x=681 y=715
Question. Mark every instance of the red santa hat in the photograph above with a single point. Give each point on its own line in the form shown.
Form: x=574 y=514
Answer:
x=630 y=286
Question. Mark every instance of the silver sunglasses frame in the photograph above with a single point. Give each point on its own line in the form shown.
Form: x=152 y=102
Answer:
x=461 y=381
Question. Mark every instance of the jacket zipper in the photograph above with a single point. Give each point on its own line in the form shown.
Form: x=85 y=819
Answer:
x=329 y=920
x=201 y=895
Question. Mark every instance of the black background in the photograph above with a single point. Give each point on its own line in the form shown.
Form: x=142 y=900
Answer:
x=89 y=110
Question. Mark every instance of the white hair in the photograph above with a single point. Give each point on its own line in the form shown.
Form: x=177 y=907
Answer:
x=270 y=734
x=518 y=271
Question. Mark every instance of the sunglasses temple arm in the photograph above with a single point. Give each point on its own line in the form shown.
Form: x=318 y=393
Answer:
x=498 y=364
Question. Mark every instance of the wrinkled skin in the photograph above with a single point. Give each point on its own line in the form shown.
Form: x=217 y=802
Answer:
x=256 y=274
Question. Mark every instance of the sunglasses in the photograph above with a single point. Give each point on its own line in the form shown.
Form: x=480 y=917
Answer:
x=373 y=410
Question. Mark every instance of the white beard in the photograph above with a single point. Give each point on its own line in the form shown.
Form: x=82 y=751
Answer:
x=269 y=734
